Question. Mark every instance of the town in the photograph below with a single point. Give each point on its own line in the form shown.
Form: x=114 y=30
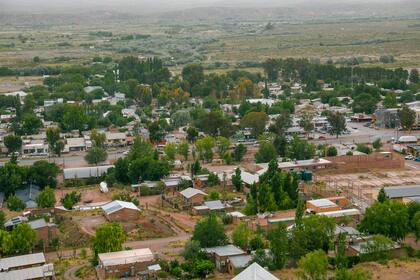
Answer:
x=124 y=167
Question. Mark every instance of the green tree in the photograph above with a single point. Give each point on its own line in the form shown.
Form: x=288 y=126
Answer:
x=390 y=101
x=98 y=138
x=46 y=198
x=13 y=143
x=300 y=149
x=58 y=148
x=407 y=117
x=377 y=248
x=96 y=155
x=389 y=218
x=382 y=197
x=194 y=74
x=213 y=179
x=192 y=134
x=14 y=203
x=170 y=151
x=2 y=219
x=210 y=232
x=377 y=144
x=256 y=121
x=6 y=243
x=414 y=76
x=266 y=152
x=237 y=180
x=192 y=251
x=183 y=150
x=241 y=235
x=205 y=148
x=23 y=238
x=306 y=122
x=53 y=136
x=222 y=145
x=42 y=173
x=416 y=225
x=337 y=122
x=314 y=266
x=70 y=199
x=108 y=238
x=11 y=177
x=332 y=151
x=279 y=245
x=239 y=152
x=340 y=251
x=354 y=274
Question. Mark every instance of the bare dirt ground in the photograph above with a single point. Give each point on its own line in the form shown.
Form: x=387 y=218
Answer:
x=9 y=84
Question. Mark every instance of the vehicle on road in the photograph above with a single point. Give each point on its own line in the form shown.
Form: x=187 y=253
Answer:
x=409 y=157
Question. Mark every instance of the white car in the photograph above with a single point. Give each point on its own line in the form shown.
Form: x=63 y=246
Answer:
x=409 y=157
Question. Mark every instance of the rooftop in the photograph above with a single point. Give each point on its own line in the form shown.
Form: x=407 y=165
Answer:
x=224 y=251
x=240 y=261
x=322 y=203
x=126 y=257
x=37 y=272
x=255 y=272
x=403 y=191
x=117 y=205
x=190 y=192
x=23 y=260
x=85 y=172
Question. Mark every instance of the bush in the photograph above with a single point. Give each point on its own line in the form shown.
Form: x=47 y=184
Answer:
x=364 y=149
x=14 y=203
x=70 y=200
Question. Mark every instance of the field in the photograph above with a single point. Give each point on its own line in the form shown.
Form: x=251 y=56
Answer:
x=219 y=45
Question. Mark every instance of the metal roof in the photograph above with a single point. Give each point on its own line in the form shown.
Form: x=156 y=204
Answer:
x=40 y=223
x=347 y=230
x=37 y=272
x=24 y=260
x=236 y=214
x=255 y=272
x=402 y=191
x=117 y=205
x=126 y=257
x=341 y=213
x=190 y=192
x=214 y=205
x=85 y=172
x=322 y=203
x=224 y=251
x=240 y=261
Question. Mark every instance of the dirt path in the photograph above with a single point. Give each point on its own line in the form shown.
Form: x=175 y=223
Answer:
x=69 y=274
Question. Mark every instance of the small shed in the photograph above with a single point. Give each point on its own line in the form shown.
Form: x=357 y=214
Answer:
x=118 y=210
x=220 y=255
x=192 y=196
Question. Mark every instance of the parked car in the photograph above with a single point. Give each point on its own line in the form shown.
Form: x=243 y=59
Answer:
x=417 y=159
x=409 y=157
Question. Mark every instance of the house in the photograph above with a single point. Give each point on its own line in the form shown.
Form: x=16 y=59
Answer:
x=309 y=164
x=403 y=193
x=237 y=217
x=35 y=148
x=118 y=210
x=75 y=144
x=192 y=196
x=237 y=263
x=124 y=263
x=255 y=272
x=23 y=261
x=220 y=255
x=360 y=246
x=45 y=231
x=171 y=183
x=321 y=205
x=211 y=206
x=28 y=195
x=85 y=172
x=267 y=221
x=43 y=272
x=116 y=139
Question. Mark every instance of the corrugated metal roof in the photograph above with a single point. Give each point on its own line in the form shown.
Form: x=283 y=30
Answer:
x=40 y=223
x=341 y=213
x=117 y=205
x=190 y=192
x=24 y=260
x=126 y=257
x=228 y=250
x=85 y=172
x=240 y=261
x=322 y=203
x=255 y=272
x=402 y=191
x=38 y=272
x=214 y=205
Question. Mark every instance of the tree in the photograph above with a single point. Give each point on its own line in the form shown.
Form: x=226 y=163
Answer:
x=46 y=198
x=2 y=219
x=98 y=138
x=263 y=258
x=237 y=180
x=363 y=149
x=53 y=136
x=300 y=149
x=337 y=122
x=23 y=238
x=271 y=69
x=205 y=148
x=213 y=179
x=416 y=225
x=170 y=151
x=389 y=218
x=390 y=101
x=340 y=251
x=180 y=118
x=192 y=134
x=377 y=144
x=332 y=151
x=70 y=199
x=279 y=245
x=58 y=148
x=108 y=238
x=377 y=248
x=96 y=155
x=407 y=117
x=256 y=121
x=42 y=173
x=222 y=145
x=382 y=197
x=14 y=203
x=282 y=123
x=266 y=152
x=195 y=168
x=13 y=143
x=192 y=251
x=306 y=122
x=240 y=235
x=314 y=265
x=11 y=177
x=239 y=152
x=194 y=74
x=354 y=274
x=414 y=76
x=6 y=243
x=183 y=150
x=210 y=232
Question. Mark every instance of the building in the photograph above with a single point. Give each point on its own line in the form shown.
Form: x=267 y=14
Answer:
x=404 y=193
x=43 y=272
x=85 y=172
x=171 y=183
x=309 y=164
x=255 y=272
x=35 y=148
x=237 y=263
x=220 y=255
x=118 y=210
x=211 y=206
x=124 y=263
x=75 y=144
x=45 y=231
x=192 y=196
x=321 y=205
x=386 y=118
x=116 y=139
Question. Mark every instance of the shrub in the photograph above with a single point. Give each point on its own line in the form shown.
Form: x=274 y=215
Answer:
x=14 y=203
